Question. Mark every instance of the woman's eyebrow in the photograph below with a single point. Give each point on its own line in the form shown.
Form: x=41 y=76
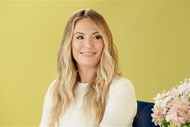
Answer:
x=96 y=32
x=79 y=33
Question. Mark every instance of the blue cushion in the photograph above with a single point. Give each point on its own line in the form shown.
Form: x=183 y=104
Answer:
x=143 y=117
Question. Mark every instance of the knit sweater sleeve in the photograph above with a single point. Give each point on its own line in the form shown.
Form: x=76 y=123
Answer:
x=46 y=108
x=121 y=106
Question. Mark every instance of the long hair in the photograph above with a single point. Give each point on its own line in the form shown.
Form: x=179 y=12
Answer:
x=63 y=91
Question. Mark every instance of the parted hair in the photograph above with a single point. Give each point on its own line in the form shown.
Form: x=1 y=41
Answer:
x=63 y=91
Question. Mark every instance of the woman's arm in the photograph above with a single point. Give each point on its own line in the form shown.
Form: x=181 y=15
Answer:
x=121 y=107
x=46 y=108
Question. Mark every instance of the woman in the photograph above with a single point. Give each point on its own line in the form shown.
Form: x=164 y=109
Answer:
x=89 y=91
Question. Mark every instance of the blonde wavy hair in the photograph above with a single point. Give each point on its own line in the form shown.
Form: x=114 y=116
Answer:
x=63 y=91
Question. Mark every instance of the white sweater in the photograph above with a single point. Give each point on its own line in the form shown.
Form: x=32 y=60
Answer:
x=120 y=109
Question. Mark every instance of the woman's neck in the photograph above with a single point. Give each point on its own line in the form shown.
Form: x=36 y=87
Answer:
x=86 y=74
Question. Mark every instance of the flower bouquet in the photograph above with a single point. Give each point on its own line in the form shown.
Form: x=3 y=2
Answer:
x=172 y=108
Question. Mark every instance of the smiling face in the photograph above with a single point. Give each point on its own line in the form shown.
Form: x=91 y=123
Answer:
x=87 y=44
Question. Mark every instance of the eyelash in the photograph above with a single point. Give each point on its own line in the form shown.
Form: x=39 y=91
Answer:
x=79 y=37
x=97 y=37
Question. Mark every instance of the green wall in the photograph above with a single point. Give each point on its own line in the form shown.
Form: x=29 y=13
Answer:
x=153 y=41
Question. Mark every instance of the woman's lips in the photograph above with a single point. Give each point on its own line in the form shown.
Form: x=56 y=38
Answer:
x=88 y=54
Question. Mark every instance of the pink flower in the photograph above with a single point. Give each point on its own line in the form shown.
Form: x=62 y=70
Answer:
x=173 y=107
x=184 y=88
x=172 y=92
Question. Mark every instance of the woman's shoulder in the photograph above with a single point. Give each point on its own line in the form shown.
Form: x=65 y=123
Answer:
x=121 y=80
x=121 y=83
x=52 y=84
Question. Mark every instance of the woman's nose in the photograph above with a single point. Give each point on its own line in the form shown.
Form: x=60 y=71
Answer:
x=89 y=43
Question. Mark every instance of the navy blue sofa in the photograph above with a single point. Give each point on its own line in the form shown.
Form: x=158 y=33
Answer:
x=143 y=117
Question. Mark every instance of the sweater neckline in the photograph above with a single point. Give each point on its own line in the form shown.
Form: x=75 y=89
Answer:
x=83 y=83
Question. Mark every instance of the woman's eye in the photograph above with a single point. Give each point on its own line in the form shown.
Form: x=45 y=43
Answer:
x=80 y=37
x=97 y=37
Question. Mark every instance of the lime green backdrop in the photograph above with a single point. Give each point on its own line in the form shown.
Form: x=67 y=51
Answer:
x=153 y=41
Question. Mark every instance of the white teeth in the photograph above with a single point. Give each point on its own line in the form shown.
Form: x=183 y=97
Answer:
x=88 y=53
